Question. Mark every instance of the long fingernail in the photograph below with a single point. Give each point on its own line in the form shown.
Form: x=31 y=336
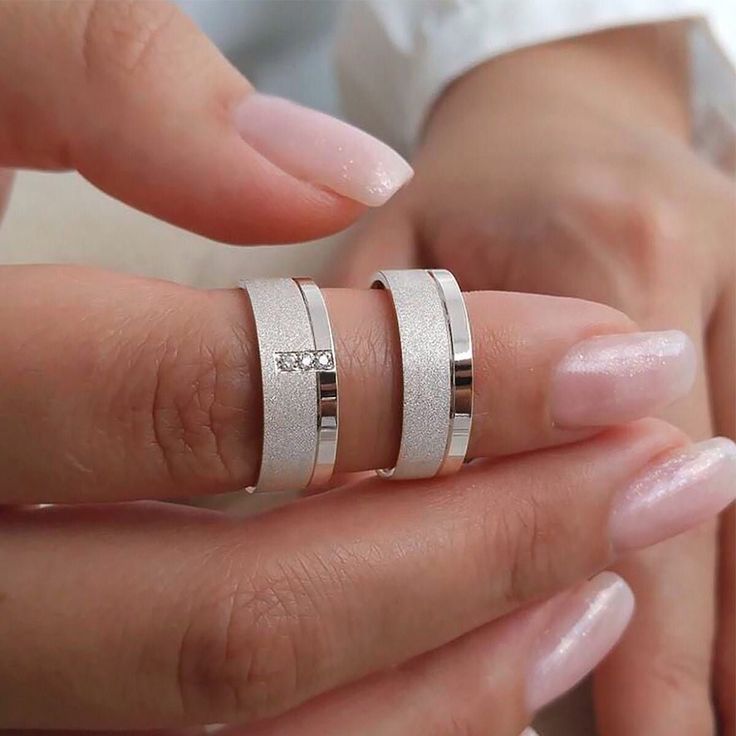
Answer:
x=583 y=628
x=675 y=493
x=616 y=378
x=321 y=150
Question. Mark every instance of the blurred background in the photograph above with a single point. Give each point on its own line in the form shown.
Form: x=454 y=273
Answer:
x=286 y=47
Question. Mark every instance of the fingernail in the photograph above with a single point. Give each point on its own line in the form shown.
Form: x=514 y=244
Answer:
x=321 y=150
x=529 y=732
x=583 y=628
x=676 y=493
x=616 y=378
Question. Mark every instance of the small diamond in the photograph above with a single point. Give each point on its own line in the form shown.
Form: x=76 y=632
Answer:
x=324 y=359
x=306 y=361
x=287 y=361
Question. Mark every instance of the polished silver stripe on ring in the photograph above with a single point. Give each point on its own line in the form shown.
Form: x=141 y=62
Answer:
x=461 y=370
x=289 y=383
x=326 y=370
x=426 y=378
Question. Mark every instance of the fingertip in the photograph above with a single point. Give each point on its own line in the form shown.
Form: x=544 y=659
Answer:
x=320 y=149
x=611 y=378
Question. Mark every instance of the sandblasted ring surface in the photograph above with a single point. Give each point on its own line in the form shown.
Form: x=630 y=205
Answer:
x=426 y=372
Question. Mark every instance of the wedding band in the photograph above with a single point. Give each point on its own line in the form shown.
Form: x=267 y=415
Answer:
x=299 y=383
x=437 y=371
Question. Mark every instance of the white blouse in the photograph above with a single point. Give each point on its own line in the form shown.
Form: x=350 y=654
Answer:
x=396 y=56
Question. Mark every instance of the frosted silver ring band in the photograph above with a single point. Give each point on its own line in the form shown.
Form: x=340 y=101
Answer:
x=425 y=351
x=437 y=371
x=286 y=314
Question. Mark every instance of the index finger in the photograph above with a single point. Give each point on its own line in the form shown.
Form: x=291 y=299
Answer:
x=116 y=387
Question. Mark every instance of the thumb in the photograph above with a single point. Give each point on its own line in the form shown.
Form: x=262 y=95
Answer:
x=137 y=99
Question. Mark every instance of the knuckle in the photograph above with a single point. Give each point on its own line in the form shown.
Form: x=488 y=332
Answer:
x=625 y=233
x=251 y=649
x=684 y=674
x=531 y=548
x=192 y=411
x=637 y=222
x=684 y=678
x=118 y=38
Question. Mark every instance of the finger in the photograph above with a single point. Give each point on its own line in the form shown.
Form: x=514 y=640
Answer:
x=485 y=682
x=384 y=239
x=148 y=615
x=665 y=656
x=722 y=365
x=128 y=387
x=136 y=98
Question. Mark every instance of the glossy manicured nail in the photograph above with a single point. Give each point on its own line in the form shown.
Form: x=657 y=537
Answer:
x=616 y=378
x=582 y=629
x=321 y=150
x=677 y=492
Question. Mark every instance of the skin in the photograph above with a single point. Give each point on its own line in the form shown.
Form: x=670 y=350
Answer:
x=144 y=615
x=566 y=169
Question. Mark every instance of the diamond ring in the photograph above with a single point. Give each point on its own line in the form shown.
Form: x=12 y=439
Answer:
x=299 y=382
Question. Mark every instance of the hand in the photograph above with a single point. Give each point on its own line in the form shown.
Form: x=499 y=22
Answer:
x=142 y=615
x=565 y=169
x=128 y=615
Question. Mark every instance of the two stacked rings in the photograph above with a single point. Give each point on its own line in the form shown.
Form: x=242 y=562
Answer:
x=300 y=386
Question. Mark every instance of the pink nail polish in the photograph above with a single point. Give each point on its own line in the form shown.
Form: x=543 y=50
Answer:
x=583 y=628
x=321 y=150
x=617 y=378
x=676 y=493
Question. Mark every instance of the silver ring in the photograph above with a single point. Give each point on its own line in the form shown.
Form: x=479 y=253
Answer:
x=461 y=370
x=425 y=351
x=290 y=366
x=437 y=371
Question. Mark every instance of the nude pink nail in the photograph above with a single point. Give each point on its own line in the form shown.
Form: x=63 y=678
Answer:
x=583 y=627
x=675 y=493
x=617 y=378
x=321 y=150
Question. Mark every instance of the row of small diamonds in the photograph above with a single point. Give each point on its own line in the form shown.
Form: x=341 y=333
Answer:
x=305 y=360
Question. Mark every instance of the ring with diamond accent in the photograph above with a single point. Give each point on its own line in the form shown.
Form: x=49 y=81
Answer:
x=299 y=383
x=436 y=357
